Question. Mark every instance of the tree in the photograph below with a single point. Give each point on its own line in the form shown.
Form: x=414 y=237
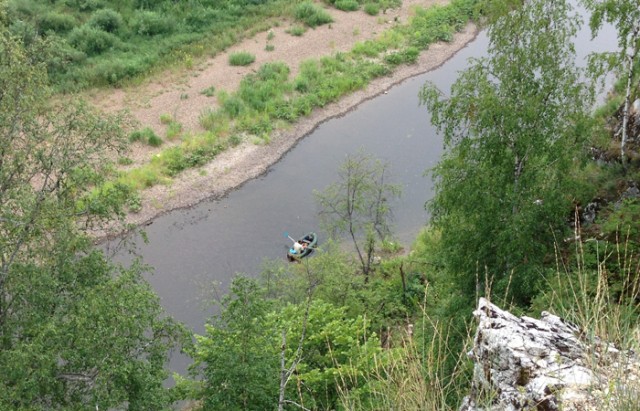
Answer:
x=625 y=15
x=359 y=204
x=513 y=126
x=237 y=357
x=76 y=331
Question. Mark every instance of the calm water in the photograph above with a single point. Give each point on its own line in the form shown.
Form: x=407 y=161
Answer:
x=191 y=250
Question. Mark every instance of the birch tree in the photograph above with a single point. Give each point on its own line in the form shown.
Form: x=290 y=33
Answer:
x=625 y=16
x=359 y=205
x=512 y=128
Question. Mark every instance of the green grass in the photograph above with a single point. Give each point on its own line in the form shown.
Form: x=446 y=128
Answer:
x=166 y=118
x=347 y=5
x=371 y=9
x=174 y=129
x=112 y=43
x=146 y=135
x=296 y=30
x=268 y=99
x=312 y=15
x=209 y=91
x=241 y=58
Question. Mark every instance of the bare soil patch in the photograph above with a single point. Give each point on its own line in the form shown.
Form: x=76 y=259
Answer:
x=179 y=95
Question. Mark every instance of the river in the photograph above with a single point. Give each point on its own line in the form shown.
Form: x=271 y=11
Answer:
x=192 y=250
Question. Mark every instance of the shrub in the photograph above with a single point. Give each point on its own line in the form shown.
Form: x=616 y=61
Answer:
x=296 y=31
x=154 y=140
x=173 y=130
x=241 y=58
x=91 y=40
x=235 y=140
x=57 y=22
x=116 y=69
x=347 y=5
x=166 y=118
x=146 y=135
x=85 y=5
x=312 y=15
x=233 y=106
x=107 y=20
x=209 y=91
x=372 y=9
x=149 y=23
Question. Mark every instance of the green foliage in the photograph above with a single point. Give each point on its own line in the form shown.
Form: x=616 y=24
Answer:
x=106 y=20
x=91 y=40
x=407 y=56
x=173 y=130
x=371 y=9
x=336 y=347
x=146 y=135
x=147 y=36
x=75 y=329
x=347 y=5
x=241 y=58
x=621 y=222
x=268 y=96
x=150 y=23
x=209 y=91
x=359 y=204
x=237 y=358
x=166 y=118
x=296 y=31
x=511 y=127
x=56 y=22
x=311 y=14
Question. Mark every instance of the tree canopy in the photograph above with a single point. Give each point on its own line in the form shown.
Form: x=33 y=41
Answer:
x=512 y=128
x=75 y=329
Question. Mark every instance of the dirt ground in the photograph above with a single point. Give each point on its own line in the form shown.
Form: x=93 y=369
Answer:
x=179 y=95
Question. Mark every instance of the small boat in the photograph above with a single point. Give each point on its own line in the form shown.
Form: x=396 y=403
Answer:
x=308 y=243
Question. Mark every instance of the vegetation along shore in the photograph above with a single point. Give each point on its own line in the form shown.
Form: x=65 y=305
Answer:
x=535 y=206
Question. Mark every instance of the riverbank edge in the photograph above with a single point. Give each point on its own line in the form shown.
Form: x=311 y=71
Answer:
x=236 y=166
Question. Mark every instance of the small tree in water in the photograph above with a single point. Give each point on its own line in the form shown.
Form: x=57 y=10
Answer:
x=358 y=204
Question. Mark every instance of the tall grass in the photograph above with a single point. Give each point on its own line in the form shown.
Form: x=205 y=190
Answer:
x=600 y=292
x=417 y=374
x=111 y=42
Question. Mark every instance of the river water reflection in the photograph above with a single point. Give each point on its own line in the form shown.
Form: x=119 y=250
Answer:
x=192 y=249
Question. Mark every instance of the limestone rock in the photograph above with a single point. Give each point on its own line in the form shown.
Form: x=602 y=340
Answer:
x=545 y=365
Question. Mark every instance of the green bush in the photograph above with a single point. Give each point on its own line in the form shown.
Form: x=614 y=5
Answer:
x=149 y=23
x=372 y=9
x=154 y=140
x=146 y=135
x=115 y=70
x=57 y=22
x=173 y=130
x=85 y=5
x=296 y=31
x=312 y=15
x=347 y=5
x=107 y=20
x=91 y=40
x=209 y=91
x=241 y=58
x=408 y=56
x=166 y=118
x=233 y=106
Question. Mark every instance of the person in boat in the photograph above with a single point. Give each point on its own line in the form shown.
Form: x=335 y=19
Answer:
x=298 y=247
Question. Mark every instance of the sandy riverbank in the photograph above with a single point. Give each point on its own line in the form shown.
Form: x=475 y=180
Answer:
x=232 y=168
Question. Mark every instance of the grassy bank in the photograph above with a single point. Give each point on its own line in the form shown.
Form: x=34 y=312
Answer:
x=269 y=100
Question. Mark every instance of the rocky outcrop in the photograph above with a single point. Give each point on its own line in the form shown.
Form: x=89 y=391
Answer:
x=549 y=364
